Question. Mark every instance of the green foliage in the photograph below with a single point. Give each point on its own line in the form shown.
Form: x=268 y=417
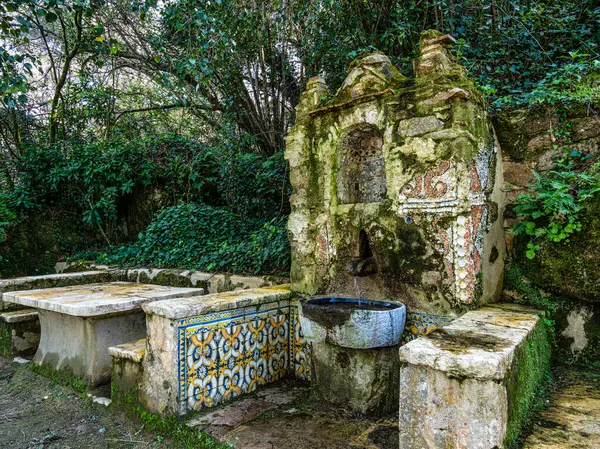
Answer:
x=60 y=377
x=5 y=340
x=203 y=237
x=552 y=208
x=173 y=428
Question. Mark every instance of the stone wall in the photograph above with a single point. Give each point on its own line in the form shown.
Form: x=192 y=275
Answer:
x=212 y=283
x=530 y=139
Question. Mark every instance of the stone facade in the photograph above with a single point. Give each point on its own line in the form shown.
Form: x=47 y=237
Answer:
x=397 y=182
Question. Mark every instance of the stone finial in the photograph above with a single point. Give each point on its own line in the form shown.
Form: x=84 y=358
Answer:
x=316 y=89
x=369 y=74
x=435 y=55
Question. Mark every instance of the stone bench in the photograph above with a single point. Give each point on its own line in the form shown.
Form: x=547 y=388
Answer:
x=471 y=384
x=19 y=332
x=207 y=350
x=127 y=367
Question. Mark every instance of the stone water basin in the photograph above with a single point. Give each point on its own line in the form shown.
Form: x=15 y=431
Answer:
x=352 y=323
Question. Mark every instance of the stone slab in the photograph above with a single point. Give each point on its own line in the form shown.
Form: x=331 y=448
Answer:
x=217 y=302
x=133 y=351
x=58 y=280
x=53 y=281
x=97 y=299
x=217 y=423
x=478 y=345
x=19 y=316
x=470 y=384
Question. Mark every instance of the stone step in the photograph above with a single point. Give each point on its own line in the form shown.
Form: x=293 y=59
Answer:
x=456 y=383
x=133 y=351
x=127 y=368
x=19 y=332
x=19 y=316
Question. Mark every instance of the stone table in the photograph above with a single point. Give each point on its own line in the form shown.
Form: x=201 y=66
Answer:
x=79 y=323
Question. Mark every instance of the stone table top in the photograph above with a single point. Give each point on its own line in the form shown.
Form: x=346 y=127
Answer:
x=97 y=299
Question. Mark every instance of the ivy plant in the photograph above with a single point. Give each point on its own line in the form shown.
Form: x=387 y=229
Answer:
x=551 y=209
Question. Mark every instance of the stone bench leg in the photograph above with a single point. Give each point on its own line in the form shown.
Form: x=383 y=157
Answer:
x=80 y=345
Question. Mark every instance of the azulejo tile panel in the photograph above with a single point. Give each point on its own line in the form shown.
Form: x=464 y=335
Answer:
x=301 y=349
x=421 y=323
x=225 y=354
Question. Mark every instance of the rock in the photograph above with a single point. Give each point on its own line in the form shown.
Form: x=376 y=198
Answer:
x=21 y=361
x=571 y=268
x=364 y=381
x=101 y=401
x=419 y=125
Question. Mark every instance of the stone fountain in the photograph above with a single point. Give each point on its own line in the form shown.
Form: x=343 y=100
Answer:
x=396 y=201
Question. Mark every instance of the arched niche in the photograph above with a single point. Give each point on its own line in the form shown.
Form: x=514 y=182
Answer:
x=361 y=177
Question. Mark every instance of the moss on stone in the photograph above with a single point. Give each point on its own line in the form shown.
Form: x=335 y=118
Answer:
x=5 y=340
x=169 y=278
x=571 y=268
x=61 y=377
x=531 y=368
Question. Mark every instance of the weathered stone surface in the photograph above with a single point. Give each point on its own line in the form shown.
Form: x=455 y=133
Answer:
x=413 y=170
x=55 y=280
x=133 y=351
x=19 y=332
x=526 y=133
x=572 y=418
x=365 y=381
x=471 y=384
x=573 y=268
x=216 y=302
x=220 y=422
x=80 y=345
x=127 y=369
x=419 y=125
x=97 y=299
x=19 y=316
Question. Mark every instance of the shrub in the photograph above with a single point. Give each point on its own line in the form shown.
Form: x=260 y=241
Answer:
x=204 y=237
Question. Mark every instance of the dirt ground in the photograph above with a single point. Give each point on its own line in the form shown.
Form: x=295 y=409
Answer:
x=36 y=413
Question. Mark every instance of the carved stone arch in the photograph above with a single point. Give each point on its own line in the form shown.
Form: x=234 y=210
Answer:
x=361 y=177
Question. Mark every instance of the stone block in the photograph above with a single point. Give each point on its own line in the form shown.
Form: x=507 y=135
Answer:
x=471 y=384
x=127 y=368
x=19 y=332
x=364 y=380
x=54 y=281
x=206 y=350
